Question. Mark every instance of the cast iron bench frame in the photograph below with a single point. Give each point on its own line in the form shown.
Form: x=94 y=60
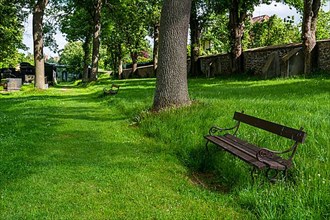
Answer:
x=112 y=91
x=259 y=157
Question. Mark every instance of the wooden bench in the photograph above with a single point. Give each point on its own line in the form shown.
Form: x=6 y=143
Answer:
x=112 y=91
x=260 y=158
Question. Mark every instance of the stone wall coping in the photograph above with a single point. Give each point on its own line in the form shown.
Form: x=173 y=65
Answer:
x=323 y=41
x=273 y=47
x=140 y=67
x=214 y=55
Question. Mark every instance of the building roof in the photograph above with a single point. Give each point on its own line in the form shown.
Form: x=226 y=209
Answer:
x=260 y=19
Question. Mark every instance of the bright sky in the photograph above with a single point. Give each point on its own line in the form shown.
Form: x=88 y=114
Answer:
x=28 y=39
x=279 y=9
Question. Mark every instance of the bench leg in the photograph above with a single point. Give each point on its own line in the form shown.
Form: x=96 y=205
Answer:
x=285 y=174
x=253 y=174
x=207 y=147
x=272 y=178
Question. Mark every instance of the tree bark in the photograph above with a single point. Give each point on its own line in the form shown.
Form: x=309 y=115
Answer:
x=236 y=23
x=38 y=43
x=156 y=46
x=311 y=9
x=134 y=57
x=96 y=39
x=195 y=40
x=120 y=68
x=120 y=61
x=87 y=51
x=171 y=84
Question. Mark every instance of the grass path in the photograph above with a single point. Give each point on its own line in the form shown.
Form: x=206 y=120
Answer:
x=66 y=154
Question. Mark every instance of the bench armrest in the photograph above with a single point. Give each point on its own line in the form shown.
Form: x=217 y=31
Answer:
x=215 y=129
x=264 y=153
x=269 y=154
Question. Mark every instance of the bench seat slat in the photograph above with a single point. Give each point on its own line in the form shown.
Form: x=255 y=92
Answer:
x=233 y=150
x=241 y=148
x=245 y=143
x=276 y=162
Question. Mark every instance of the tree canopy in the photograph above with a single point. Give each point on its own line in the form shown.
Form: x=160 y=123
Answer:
x=123 y=27
x=11 y=32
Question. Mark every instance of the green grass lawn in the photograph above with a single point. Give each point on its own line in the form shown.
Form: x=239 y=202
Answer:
x=70 y=153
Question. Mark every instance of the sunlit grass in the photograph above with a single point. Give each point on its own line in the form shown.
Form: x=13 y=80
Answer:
x=72 y=153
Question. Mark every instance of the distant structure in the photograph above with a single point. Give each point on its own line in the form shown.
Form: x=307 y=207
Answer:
x=259 y=19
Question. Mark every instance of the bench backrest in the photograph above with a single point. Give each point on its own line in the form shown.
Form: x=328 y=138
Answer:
x=281 y=130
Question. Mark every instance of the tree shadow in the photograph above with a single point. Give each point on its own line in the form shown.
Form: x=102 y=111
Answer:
x=34 y=137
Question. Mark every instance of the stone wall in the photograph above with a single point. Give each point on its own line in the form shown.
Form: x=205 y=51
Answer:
x=324 y=55
x=288 y=60
x=215 y=65
x=255 y=59
x=142 y=72
x=266 y=62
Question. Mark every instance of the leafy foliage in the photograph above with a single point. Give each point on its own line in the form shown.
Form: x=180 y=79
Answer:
x=323 y=25
x=215 y=38
x=130 y=17
x=274 y=31
x=153 y=10
x=76 y=24
x=72 y=56
x=125 y=28
x=11 y=32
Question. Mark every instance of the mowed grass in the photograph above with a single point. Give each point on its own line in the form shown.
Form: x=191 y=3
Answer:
x=70 y=153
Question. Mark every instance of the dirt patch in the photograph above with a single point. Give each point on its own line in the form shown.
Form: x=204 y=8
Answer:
x=208 y=181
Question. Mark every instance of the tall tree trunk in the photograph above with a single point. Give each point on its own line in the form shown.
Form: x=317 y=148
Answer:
x=113 y=62
x=236 y=26
x=120 y=68
x=87 y=51
x=120 y=61
x=156 y=46
x=134 y=57
x=96 y=38
x=195 y=38
x=38 y=43
x=171 y=85
x=311 y=10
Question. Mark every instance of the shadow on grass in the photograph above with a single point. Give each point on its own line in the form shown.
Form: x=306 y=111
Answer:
x=36 y=137
x=209 y=181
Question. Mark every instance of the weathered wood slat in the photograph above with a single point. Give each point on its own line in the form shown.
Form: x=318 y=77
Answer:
x=278 y=129
x=271 y=162
x=275 y=162
x=231 y=149
x=249 y=146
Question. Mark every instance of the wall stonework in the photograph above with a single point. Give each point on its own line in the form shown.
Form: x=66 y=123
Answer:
x=142 y=72
x=255 y=60
x=282 y=60
x=324 y=55
x=215 y=65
